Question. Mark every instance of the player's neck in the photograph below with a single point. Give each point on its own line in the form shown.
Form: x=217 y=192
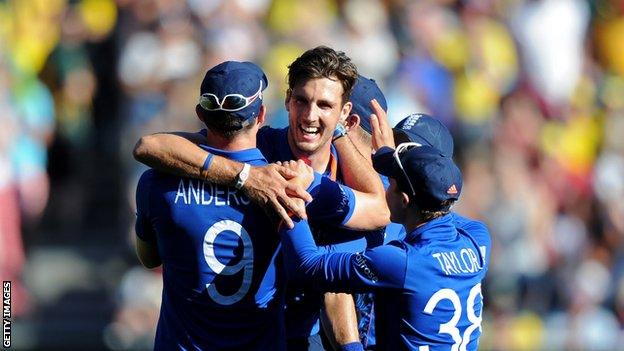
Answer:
x=241 y=141
x=318 y=160
x=412 y=221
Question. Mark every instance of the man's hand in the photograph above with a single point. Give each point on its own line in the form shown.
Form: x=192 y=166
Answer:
x=305 y=176
x=269 y=187
x=382 y=132
x=304 y=173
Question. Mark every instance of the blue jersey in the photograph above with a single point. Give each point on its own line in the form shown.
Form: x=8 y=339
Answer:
x=427 y=286
x=223 y=288
x=365 y=302
x=326 y=216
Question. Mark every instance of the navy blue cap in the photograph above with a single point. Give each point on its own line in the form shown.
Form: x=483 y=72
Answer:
x=434 y=176
x=363 y=92
x=233 y=77
x=425 y=130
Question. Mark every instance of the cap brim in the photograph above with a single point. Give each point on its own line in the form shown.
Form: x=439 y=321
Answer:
x=400 y=136
x=384 y=162
x=409 y=136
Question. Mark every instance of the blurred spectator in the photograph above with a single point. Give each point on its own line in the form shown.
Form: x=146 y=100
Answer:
x=138 y=302
x=367 y=27
x=11 y=248
x=551 y=36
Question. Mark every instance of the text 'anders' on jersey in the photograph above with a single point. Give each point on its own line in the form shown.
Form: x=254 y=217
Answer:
x=197 y=192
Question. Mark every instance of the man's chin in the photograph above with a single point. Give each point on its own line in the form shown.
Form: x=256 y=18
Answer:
x=306 y=147
x=310 y=147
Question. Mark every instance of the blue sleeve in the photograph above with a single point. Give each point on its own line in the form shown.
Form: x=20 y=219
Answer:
x=333 y=203
x=380 y=267
x=143 y=227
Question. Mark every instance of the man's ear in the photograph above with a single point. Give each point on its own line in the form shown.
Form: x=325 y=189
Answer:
x=200 y=113
x=352 y=122
x=346 y=111
x=261 y=115
x=287 y=99
x=405 y=200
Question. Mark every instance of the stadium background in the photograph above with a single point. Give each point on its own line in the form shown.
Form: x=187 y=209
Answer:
x=533 y=92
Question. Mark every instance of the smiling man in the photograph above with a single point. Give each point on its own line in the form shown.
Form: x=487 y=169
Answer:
x=315 y=102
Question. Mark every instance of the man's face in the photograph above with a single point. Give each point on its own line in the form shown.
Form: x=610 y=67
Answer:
x=396 y=202
x=314 y=109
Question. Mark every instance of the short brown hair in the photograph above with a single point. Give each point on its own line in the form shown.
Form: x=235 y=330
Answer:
x=427 y=215
x=224 y=123
x=324 y=62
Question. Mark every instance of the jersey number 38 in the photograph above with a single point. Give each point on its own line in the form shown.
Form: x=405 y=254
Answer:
x=450 y=327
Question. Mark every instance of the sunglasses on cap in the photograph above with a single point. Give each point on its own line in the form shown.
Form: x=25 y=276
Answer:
x=230 y=102
x=404 y=147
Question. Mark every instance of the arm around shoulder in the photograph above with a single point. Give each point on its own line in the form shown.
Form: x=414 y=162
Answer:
x=176 y=153
x=179 y=153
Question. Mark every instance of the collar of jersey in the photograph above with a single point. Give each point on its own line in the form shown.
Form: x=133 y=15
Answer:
x=246 y=155
x=442 y=228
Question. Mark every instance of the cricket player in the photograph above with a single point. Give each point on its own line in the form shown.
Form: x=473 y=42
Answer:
x=213 y=296
x=365 y=124
x=428 y=285
x=424 y=130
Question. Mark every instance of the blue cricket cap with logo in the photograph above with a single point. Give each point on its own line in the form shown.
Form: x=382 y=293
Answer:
x=425 y=130
x=244 y=80
x=363 y=92
x=434 y=176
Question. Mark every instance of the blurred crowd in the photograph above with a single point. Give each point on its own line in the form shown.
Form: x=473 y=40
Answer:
x=46 y=91
x=532 y=90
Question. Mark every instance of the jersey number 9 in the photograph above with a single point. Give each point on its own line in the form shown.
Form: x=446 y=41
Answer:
x=245 y=263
